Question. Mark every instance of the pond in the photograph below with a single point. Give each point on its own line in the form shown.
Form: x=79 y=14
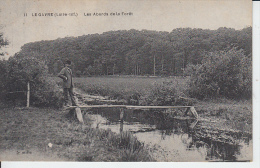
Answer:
x=176 y=139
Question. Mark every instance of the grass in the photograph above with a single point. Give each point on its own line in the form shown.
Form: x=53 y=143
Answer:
x=31 y=132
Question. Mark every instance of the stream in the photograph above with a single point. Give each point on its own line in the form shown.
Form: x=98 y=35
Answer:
x=176 y=139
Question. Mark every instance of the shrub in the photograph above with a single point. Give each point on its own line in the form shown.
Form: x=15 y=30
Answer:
x=46 y=93
x=223 y=73
x=43 y=90
x=167 y=93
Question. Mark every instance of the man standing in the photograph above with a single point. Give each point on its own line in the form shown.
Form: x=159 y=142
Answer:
x=66 y=75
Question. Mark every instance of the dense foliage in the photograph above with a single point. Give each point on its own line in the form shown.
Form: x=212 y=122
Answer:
x=222 y=74
x=15 y=75
x=166 y=93
x=136 y=52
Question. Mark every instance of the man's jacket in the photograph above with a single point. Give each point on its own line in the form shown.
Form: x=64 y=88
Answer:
x=66 y=75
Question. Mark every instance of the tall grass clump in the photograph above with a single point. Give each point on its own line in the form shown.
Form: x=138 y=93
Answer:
x=226 y=74
x=21 y=70
x=127 y=147
x=133 y=150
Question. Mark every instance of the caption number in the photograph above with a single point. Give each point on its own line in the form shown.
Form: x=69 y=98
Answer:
x=25 y=14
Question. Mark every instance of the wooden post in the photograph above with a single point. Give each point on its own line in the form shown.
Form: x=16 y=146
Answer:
x=79 y=115
x=186 y=112
x=28 y=95
x=121 y=119
x=192 y=125
x=154 y=65
x=193 y=111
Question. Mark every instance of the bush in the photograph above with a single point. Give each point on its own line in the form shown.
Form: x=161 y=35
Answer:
x=19 y=71
x=221 y=74
x=46 y=93
x=167 y=93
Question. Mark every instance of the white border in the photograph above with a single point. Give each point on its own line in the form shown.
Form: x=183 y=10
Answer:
x=256 y=82
x=256 y=109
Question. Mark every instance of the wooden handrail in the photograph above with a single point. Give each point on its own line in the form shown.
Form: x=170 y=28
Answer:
x=156 y=107
x=129 y=106
x=96 y=106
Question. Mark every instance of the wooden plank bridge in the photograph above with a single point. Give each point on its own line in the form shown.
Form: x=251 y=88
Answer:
x=123 y=107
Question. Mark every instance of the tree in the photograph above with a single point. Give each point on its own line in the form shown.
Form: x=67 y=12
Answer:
x=3 y=42
x=20 y=71
x=222 y=73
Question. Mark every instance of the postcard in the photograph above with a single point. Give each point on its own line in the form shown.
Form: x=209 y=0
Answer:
x=126 y=81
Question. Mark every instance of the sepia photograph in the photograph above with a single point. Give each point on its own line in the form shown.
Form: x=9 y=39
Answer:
x=126 y=81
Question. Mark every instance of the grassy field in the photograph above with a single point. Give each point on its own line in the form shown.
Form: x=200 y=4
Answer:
x=121 y=87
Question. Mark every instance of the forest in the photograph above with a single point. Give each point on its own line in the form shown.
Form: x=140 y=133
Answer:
x=134 y=52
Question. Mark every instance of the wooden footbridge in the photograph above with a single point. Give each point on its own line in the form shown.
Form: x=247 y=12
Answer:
x=77 y=109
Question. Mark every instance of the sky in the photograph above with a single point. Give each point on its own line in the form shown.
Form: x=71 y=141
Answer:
x=163 y=15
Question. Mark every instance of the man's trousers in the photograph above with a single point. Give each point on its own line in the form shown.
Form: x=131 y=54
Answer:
x=69 y=91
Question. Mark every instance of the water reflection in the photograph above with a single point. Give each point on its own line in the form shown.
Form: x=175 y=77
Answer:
x=178 y=140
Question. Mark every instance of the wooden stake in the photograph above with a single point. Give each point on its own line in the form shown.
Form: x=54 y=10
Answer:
x=79 y=115
x=154 y=65
x=121 y=119
x=194 y=112
x=28 y=95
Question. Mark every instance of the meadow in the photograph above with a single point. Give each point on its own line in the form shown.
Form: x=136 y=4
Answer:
x=115 y=86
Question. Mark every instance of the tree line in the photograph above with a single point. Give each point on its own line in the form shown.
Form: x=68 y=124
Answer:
x=134 y=52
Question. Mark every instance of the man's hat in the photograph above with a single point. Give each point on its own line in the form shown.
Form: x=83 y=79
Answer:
x=68 y=62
